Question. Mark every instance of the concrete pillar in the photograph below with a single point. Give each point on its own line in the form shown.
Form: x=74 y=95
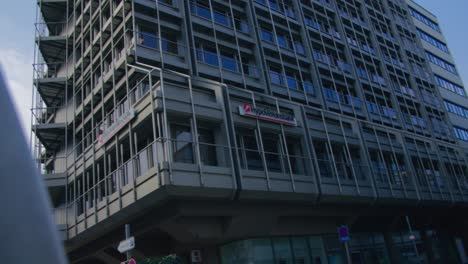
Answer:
x=392 y=250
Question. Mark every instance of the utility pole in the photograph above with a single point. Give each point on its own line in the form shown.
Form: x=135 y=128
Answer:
x=127 y=236
x=412 y=238
x=348 y=254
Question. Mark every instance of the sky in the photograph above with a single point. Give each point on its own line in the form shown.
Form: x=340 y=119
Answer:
x=17 y=19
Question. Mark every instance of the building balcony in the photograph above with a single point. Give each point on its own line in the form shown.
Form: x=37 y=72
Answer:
x=51 y=135
x=51 y=82
x=53 y=10
x=53 y=48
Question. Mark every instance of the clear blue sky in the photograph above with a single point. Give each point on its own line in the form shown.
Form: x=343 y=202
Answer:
x=17 y=19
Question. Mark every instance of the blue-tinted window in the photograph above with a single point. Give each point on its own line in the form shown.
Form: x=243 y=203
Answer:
x=424 y=19
x=450 y=86
x=267 y=35
x=273 y=5
x=330 y=94
x=229 y=63
x=292 y=82
x=201 y=11
x=433 y=41
x=210 y=58
x=461 y=133
x=299 y=47
x=282 y=42
x=207 y=56
x=308 y=87
x=441 y=63
x=221 y=18
x=148 y=40
x=276 y=77
x=456 y=109
x=372 y=107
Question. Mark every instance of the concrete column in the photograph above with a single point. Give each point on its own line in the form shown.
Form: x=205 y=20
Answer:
x=392 y=250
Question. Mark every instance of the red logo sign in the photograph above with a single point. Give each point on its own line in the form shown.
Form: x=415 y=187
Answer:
x=246 y=108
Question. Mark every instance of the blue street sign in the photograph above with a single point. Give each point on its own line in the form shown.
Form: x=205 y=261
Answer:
x=343 y=233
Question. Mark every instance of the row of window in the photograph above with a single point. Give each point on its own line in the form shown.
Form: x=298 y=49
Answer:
x=335 y=96
x=278 y=6
x=450 y=85
x=381 y=110
x=283 y=41
x=441 y=63
x=228 y=61
x=461 y=133
x=424 y=19
x=219 y=17
x=456 y=109
x=291 y=81
x=433 y=41
x=150 y=40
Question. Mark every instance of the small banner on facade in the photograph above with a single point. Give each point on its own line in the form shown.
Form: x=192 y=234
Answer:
x=121 y=121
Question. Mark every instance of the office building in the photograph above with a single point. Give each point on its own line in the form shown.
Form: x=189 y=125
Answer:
x=443 y=67
x=249 y=131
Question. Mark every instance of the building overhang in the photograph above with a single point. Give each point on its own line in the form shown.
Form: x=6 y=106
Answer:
x=52 y=90
x=53 y=49
x=53 y=10
x=50 y=135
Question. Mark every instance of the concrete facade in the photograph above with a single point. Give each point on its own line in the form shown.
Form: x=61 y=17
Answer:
x=455 y=102
x=205 y=124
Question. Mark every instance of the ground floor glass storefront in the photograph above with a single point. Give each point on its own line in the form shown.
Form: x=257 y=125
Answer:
x=365 y=248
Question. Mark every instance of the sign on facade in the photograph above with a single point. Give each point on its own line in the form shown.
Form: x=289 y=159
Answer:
x=267 y=115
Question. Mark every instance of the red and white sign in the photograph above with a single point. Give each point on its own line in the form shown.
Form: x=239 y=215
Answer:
x=267 y=115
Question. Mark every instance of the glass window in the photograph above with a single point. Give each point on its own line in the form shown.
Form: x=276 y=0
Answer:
x=441 y=63
x=221 y=18
x=335 y=252
x=229 y=62
x=433 y=41
x=299 y=47
x=309 y=88
x=323 y=158
x=292 y=82
x=282 y=251
x=275 y=76
x=271 y=145
x=148 y=40
x=424 y=19
x=201 y=11
x=282 y=42
x=207 y=147
x=273 y=5
x=169 y=44
x=331 y=94
x=267 y=35
x=258 y=251
x=207 y=56
x=248 y=150
x=296 y=157
x=301 y=251
x=182 y=143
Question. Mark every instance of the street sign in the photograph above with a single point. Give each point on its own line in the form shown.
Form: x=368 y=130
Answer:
x=343 y=233
x=126 y=245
